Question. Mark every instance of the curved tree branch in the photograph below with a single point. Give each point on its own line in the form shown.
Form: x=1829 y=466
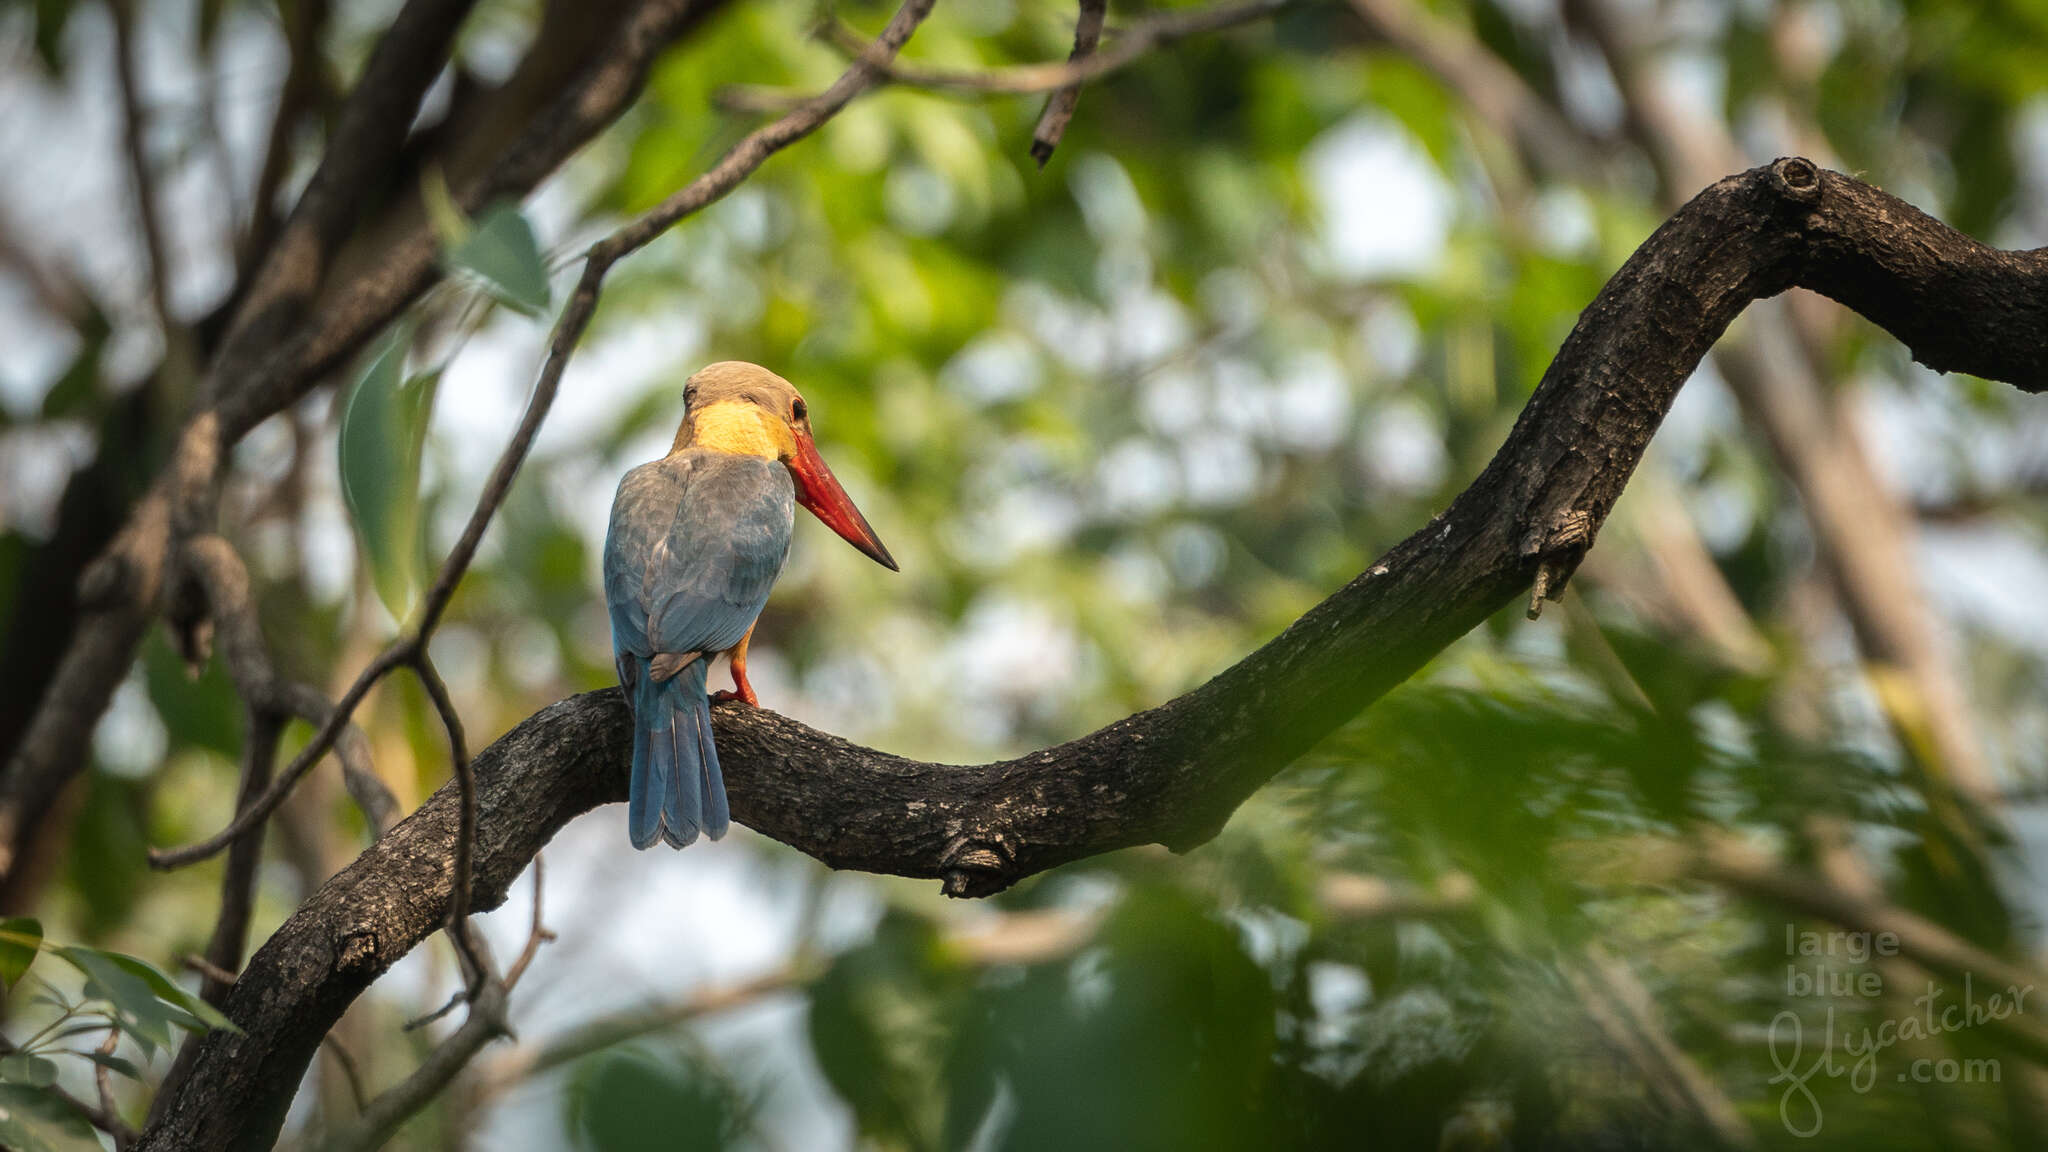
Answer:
x=1172 y=774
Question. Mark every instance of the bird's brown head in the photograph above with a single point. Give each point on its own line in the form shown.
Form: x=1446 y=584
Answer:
x=744 y=409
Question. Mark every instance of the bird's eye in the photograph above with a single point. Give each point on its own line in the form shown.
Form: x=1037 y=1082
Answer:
x=797 y=410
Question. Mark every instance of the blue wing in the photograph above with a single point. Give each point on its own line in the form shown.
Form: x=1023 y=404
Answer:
x=696 y=542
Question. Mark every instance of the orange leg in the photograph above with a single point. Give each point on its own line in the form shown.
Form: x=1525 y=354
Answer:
x=739 y=675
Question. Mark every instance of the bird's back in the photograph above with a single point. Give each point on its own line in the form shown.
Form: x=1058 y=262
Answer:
x=697 y=540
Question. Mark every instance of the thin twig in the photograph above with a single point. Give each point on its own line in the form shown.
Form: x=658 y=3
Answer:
x=523 y=1063
x=207 y=968
x=238 y=879
x=350 y=1070
x=391 y=1108
x=465 y=835
x=103 y=1080
x=149 y=208
x=1032 y=937
x=1059 y=110
x=1031 y=79
x=537 y=934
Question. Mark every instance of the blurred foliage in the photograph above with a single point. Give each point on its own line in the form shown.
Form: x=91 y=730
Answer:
x=1274 y=301
x=118 y=997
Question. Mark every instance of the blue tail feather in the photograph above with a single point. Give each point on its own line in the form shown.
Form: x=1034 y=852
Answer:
x=677 y=790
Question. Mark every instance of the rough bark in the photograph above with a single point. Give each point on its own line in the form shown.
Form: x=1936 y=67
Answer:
x=1172 y=774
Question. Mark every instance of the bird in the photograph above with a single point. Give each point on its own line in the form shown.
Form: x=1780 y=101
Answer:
x=696 y=540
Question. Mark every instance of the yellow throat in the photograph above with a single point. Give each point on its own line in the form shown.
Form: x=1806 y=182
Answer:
x=743 y=429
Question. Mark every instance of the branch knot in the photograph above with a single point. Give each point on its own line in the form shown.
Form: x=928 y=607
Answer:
x=1559 y=544
x=1796 y=178
x=358 y=949
x=975 y=867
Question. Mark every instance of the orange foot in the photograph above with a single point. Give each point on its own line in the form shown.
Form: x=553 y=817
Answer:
x=744 y=692
x=745 y=695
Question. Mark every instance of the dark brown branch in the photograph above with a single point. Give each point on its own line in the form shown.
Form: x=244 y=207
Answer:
x=238 y=879
x=1175 y=773
x=399 y=260
x=1059 y=110
x=459 y=929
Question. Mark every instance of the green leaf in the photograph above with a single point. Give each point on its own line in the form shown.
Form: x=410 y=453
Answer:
x=21 y=937
x=98 y=1025
x=135 y=1005
x=147 y=1003
x=113 y=1063
x=107 y=870
x=382 y=434
x=502 y=252
x=32 y=1120
x=879 y=1032
x=28 y=1068
x=171 y=992
x=622 y=1100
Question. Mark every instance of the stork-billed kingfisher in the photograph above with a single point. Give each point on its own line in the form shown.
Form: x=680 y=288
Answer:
x=697 y=539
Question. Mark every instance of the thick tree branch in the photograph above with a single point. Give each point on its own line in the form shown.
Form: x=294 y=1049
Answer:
x=1172 y=774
